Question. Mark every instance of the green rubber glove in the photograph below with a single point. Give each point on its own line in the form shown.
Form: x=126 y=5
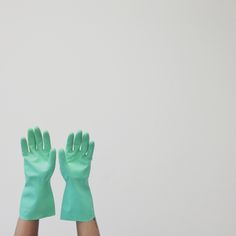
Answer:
x=39 y=163
x=75 y=164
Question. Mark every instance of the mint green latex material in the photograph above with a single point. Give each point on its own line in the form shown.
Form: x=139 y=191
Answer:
x=39 y=163
x=75 y=164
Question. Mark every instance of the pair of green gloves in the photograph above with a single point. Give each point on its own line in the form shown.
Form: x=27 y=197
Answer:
x=39 y=163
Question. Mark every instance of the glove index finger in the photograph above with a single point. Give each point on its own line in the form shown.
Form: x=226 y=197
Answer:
x=46 y=141
x=90 y=150
x=62 y=157
x=63 y=163
x=52 y=158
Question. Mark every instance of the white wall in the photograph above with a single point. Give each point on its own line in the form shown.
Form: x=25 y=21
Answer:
x=153 y=82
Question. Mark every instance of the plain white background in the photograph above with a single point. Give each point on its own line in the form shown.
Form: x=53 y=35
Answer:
x=153 y=82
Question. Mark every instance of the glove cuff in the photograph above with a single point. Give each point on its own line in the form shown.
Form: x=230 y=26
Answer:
x=77 y=204
x=37 y=200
